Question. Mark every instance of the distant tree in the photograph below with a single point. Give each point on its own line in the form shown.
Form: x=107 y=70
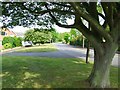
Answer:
x=54 y=35
x=66 y=37
x=37 y=36
x=73 y=33
x=29 y=36
x=60 y=37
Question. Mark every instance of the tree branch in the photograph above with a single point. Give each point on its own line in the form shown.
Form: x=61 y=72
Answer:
x=47 y=11
x=100 y=14
x=92 y=21
x=108 y=10
x=56 y=21
x=115 y=32
x=60 y=4
x=110 y=15
x=105 y=22
x=87 y=33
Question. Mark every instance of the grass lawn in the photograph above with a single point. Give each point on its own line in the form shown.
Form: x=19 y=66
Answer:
x=41 y=48
x=42 y=72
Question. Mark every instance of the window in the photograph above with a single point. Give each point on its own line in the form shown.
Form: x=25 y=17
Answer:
x=3 y=33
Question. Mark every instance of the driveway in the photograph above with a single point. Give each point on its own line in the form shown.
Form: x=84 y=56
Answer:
x=78 y=52
x=64 y=51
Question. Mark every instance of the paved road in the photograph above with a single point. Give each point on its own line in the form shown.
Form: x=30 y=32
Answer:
x=65 y=51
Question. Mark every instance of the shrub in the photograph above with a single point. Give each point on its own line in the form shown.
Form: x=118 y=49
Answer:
x=7 y=45
x=72 y=42
x=17 y=41
x=8 y=40
x=66 y=37
x=14 y=41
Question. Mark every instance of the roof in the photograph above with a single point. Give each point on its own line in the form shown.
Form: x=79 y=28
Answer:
x=6 y=29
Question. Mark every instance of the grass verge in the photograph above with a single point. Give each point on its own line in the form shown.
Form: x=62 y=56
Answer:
x=41 y=48
x=42 y=72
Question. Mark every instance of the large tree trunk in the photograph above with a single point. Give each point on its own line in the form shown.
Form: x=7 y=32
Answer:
x=99 y=76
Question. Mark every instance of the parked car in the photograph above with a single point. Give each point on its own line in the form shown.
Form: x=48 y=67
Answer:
x=27 y=43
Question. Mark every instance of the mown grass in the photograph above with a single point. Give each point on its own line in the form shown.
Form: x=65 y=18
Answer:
x=40 y=48
x=43 y=72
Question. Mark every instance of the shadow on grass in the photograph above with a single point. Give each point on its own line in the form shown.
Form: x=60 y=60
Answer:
x=39 y=72
x=29 y=72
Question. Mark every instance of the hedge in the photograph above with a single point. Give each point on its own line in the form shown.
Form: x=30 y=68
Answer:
x=7 y=45
x=13 y=41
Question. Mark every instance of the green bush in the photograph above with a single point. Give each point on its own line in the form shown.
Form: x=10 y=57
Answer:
x=72 y=42
x=14 y=41
x=7 y=45
x=8 y=40
x=78 y=41
x=17 y=42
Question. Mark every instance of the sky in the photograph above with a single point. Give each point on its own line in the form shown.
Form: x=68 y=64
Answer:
x=61 y=30
x=21 y=29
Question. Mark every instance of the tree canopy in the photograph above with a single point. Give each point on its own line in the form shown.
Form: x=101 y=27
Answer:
x=37 y=35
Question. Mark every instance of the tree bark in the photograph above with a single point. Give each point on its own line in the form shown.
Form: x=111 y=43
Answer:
x=99 y=76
